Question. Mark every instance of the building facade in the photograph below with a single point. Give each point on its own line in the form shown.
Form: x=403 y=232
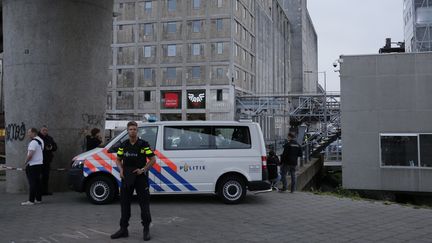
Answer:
x=192 y=59
x=386 y=122
x=418 y=25
x=304 y=47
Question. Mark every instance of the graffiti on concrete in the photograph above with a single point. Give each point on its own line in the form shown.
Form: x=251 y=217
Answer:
x=94 y=120
x=15 y=132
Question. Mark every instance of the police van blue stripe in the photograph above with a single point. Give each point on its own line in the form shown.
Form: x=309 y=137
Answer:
x=179 y=178
x=155 y=186
x=165 y=180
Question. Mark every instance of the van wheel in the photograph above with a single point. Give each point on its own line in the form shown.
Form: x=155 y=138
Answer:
x=232 y=190
x=101 y=190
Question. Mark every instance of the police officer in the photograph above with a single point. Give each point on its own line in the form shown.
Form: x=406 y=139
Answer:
x=289 y=160
x=132 y=161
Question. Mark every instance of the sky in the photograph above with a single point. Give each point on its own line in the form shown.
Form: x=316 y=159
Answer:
x=351 y=27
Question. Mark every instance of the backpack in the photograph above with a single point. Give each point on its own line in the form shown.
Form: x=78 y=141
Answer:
x=39 y=142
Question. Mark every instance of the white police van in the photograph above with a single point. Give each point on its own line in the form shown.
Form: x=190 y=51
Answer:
x=226 y=158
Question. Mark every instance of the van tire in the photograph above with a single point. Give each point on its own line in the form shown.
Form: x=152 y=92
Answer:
x=101 y=190
x=232 y=189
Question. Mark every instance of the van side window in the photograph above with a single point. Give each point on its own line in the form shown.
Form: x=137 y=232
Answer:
x=149 y=134
x=187 y=138
x=232 y=138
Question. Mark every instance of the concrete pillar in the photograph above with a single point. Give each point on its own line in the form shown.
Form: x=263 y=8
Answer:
x=56 y=59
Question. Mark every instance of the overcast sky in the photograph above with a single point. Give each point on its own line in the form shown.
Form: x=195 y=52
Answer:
x=352 y=27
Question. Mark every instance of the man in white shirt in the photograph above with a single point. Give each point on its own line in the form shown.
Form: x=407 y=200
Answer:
x=34 y=162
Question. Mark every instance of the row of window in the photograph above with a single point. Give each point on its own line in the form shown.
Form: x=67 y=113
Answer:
x=196 y=49
x=173 y=27
x=169 y=99
x=172 y=73
x=197 y=137
x=147 y=7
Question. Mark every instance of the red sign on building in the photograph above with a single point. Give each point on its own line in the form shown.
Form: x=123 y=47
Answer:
x=171 y=100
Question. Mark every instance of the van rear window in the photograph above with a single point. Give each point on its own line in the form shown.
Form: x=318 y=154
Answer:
x=206 y=137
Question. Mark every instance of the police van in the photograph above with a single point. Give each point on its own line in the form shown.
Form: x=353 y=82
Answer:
x=226 y=158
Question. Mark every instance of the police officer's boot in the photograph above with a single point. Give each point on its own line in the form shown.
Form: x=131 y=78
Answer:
x=121 y=233
x=146 y=233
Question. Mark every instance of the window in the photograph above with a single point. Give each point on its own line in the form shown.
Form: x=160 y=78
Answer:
x=232 y=138
x=148 y=6
x=202 y=137
x=196 y=26
x=236 y=27
x=425 y=150
x=236 y=5
x=196 y=72
x=219 y=73
x=219 y=3
x=172 y=50
x=149 y=134
x=399 y=150
x=196 y=99
x=171 y=27
x=147 y=96
x=171 y=73
x=148 y=74
x=148 y=29
x=171 y=99
x=219 y=24
x=196 y=4
x=236 y=50
x=219 y=95
x=187 y=137
x=172 y=5
x=219 y=46
x=147 y=51
x=196 y=49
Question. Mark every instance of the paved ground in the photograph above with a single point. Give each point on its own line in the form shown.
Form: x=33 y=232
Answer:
x=269 y=217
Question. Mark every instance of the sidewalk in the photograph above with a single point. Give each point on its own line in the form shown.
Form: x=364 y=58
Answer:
x=267 y=217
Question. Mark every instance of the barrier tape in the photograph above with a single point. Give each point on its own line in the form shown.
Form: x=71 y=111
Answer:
x=3 y=167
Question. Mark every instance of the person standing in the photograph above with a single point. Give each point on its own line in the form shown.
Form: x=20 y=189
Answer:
x=132 y=162
x=289 y=160
x=49 y=148
x=93 y=140
x=33 y=162
x=272 y=165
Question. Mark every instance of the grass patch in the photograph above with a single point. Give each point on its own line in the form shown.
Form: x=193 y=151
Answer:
x=340 y=193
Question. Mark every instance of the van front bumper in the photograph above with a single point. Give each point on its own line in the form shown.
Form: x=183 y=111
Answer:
x=76 y=179
x=258 y=185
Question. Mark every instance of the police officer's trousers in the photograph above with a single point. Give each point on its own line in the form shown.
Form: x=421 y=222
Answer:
x=140 y=184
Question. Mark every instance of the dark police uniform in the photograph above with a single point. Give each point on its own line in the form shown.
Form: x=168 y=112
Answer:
x=134 y=157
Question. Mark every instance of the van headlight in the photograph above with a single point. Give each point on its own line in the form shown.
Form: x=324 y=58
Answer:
x=78 y=164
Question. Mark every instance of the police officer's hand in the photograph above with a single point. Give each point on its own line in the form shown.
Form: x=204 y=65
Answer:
x=139 y=171
x=121 y=174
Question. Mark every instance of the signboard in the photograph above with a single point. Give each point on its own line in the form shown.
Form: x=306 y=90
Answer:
x=171 y=99
x=196 y=99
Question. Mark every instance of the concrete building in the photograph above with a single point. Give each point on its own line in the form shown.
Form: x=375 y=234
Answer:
x=418 y=25
x=304 y=47
x=387 y=122
x=193 y=59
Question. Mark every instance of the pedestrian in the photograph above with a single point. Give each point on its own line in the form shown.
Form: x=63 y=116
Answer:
x=289 y=160
x=33 y=167
x=132 y=162
x=272 y=164
x=49 y=148
x=93 y=140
